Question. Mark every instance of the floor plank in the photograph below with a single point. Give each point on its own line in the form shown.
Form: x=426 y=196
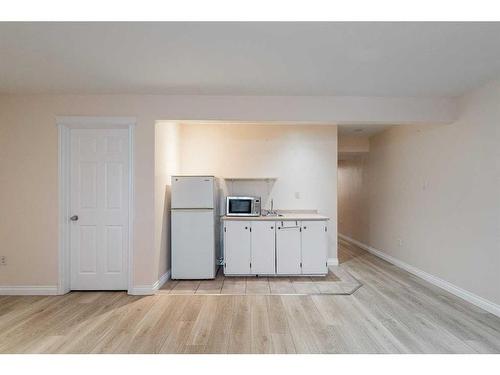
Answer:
x=393 y=312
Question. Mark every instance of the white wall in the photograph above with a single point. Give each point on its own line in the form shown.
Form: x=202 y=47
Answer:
x=437 y=189
x=302 y=158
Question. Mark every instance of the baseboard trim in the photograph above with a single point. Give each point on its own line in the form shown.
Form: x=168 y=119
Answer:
x=146 y=290
x=51 y=290
x=141 y=290
x=162 y=280
x=476 y=300
x=29 y=290
x=333 y=262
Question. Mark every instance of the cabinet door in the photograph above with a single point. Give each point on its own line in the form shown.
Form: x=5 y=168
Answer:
x=314 y=247
x=237 y=247
x=288 y=248
x=263 y=247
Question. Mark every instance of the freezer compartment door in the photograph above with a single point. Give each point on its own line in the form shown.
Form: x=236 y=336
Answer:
x=193 y=192
x=193 y=244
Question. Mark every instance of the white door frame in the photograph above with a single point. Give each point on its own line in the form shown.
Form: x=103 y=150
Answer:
x=65 y=124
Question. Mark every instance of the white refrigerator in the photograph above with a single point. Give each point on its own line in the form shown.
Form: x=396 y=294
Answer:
x=194 y=219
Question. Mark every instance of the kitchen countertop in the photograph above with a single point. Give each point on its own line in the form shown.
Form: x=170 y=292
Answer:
x=286 y=217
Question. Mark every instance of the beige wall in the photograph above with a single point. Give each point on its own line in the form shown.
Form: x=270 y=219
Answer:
x=353 y=202
x=353 y=144
x=302 y=158
x=29 y=182
x=437 y=189
x=29 y=148
x=167 y=163
x=29 y=166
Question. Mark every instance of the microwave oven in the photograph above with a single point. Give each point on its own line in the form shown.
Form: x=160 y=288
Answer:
x=243 y=206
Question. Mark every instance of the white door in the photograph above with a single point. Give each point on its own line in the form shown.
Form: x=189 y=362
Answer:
x=314 y=247
x=263 y=247
x=99 y=196
x=193 y=244
x=193 y=192
x=288 y=248
x=237 y=247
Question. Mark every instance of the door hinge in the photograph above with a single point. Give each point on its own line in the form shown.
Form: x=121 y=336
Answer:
x=250 y=229
x=224 y=264
x=300 y=264
x=250 y=264
x=300 y=229
x=224 y=229
x=326 y=229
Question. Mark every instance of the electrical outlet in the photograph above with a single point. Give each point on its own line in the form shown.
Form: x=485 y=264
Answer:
x=3 y=260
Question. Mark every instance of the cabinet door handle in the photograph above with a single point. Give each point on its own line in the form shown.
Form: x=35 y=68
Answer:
x=246 y=227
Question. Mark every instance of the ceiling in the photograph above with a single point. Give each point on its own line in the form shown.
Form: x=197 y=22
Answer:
x=361 y=130
x=365 y=59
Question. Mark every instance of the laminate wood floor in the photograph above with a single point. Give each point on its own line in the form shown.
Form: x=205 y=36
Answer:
x=394 y=312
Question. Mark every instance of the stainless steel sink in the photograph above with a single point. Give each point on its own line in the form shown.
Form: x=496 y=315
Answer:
x=271 y=212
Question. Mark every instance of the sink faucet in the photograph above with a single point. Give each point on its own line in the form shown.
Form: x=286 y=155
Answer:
x=271 y=212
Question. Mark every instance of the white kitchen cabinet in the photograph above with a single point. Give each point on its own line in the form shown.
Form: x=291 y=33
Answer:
x=314 y=247
x=288 y=248
x=263 y=247
x=237 y=247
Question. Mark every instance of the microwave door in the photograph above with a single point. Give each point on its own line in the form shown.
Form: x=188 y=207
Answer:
x=239 y=206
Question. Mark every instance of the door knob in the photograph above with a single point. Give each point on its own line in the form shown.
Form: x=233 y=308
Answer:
x=74 y=218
